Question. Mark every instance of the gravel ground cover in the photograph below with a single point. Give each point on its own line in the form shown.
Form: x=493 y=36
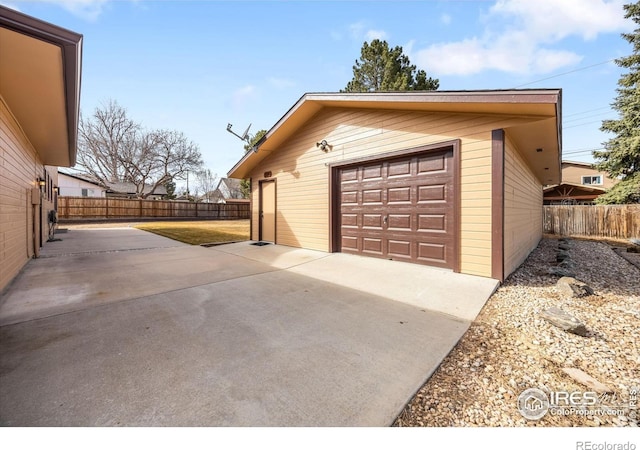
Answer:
x=509 y=348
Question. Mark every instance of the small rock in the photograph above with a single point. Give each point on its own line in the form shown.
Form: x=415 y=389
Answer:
x=563 y=320
x=571 y=287
x=587 y=380
x=560 y=271
x=567 y=264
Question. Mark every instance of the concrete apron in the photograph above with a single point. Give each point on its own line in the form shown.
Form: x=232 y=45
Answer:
x=235 y=335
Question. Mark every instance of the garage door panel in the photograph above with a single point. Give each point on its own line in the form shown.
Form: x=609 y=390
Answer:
x=431 y=252
x=372 y=245
x=399 y=248
x=400 y=208
x=350 y=220
x=432 y=193
x=348 y=175
x=372 y=196
x=373 y=221
x=373 y=171
x=348 y=197
x=349 y=243
x=435 y=223
x=399 y=169
x=432 y=163
x=399 y=195
x=399 y=222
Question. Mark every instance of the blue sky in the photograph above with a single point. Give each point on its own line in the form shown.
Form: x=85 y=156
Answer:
x=195 y=66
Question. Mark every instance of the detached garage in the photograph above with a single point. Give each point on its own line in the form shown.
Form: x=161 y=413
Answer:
x=446 y=179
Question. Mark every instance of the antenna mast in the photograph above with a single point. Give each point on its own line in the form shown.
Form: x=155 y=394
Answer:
x=245 y=136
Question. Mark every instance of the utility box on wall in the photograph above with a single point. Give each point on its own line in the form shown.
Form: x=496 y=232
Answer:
x=35 y=196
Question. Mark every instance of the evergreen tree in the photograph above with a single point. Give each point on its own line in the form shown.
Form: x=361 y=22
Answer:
x=245 y=184
x=381 y=68
x=621 y=155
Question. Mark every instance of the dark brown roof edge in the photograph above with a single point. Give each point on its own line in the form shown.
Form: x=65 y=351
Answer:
x=547 y=95
x=71 y=45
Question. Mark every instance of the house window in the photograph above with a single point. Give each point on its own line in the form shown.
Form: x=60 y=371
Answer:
x=85 y=193
x=592 y=179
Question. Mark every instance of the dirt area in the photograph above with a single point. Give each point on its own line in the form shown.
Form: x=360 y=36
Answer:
x=510 y=348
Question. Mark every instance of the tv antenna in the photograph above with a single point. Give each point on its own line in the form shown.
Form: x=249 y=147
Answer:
x=245 y=136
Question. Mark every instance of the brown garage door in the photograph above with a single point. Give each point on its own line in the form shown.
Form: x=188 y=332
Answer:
x=401 y=208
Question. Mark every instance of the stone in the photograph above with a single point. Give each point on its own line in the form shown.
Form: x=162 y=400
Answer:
x=587 y=380
x=562 y=255
x=567 y=264
x=564 y=246
x=563 y=320
x=560 y=271
x=573 y=288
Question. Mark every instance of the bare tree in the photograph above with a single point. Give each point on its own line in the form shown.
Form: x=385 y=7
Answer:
x=206 y=183
x=114 y=148
x=102 y=138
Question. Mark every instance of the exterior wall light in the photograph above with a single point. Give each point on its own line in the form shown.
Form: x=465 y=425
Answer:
x=42 y=183
x=324 y=146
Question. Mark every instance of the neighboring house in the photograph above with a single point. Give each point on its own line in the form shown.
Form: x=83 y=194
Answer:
x=39 y=109
x=227 y=189
x=581 y=185
x=129 y=190
x=74 y=185
x=448 y=179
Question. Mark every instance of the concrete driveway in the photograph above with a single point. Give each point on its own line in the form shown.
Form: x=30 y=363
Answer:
x=122 y=327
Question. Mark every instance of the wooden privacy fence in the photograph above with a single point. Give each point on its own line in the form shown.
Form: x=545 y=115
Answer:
x=91 y=208
x=615 y=221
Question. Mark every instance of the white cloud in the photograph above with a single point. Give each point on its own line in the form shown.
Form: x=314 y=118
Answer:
x=281 y=83
x=523 y=36
x=553 y=19
x=241 y=96
x=375 y=34
x=360 y=31
x=86 y=9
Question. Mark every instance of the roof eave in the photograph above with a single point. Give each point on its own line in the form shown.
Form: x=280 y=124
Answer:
x=70 y=44
x=532 y=96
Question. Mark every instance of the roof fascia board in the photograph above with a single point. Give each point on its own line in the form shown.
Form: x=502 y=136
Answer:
x=70 y=44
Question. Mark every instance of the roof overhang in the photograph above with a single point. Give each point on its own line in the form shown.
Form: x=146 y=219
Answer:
x=542 y=107
x=591 y=189
x=40 y=71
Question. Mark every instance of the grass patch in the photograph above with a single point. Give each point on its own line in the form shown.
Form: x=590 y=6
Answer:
x=200 y=232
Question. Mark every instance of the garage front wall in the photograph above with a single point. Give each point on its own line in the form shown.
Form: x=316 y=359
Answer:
x=301 y=171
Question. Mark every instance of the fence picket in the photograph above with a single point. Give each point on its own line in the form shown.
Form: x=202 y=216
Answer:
x=614 y=221
x=94 y=208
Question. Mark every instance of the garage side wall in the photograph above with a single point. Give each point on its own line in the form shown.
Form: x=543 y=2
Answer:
x=522 y=209
x=302 y=171
x=20 y=166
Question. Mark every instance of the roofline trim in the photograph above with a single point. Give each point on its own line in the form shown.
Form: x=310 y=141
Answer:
x=70 y=44
x=508 y=96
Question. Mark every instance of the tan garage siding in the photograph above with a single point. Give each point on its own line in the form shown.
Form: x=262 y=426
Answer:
x=19 y=168
x=302 y=171
x=522 y=209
